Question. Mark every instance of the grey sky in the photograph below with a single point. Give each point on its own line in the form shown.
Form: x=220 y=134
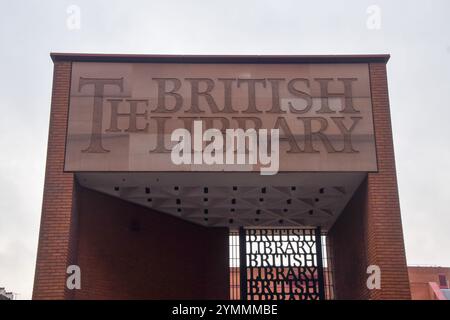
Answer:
x=415 y=33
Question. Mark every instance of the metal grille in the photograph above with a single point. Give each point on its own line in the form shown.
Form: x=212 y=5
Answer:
x=280 y=264
x=328 y=274
x=234 y=265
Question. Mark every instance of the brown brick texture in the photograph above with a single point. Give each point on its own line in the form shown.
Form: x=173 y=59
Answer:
x=127 y=251
x=56 y=229
x=369 y=231
x=385 y=233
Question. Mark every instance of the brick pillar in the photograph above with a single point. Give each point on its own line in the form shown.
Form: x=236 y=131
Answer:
x=348 y=246
x=369 y=230
x=385 y=234
x=55 y=245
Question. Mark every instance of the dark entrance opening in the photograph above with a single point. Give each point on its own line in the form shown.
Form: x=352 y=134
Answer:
x=279 y=264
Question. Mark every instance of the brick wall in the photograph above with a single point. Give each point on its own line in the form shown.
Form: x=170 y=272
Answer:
x=126 y=251
x=420 y=278
x=379 y=233
x=55 y=237
x=385 y=234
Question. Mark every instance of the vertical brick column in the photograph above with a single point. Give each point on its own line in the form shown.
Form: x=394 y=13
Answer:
x=385 y=234
x=54 y=249
x=369 y=230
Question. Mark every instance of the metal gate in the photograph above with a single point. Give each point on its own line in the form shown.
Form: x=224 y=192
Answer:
x=281 y=264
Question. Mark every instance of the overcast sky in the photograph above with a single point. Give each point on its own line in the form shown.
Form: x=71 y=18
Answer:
x=415 y=33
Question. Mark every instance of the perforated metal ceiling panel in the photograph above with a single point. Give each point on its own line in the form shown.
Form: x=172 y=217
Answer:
x=234 y=199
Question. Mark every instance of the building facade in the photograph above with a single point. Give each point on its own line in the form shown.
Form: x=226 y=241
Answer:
x=429 y=282
x=306 y=220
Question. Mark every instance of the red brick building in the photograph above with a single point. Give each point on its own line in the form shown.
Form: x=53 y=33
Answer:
x=141 y=227
x=429 y=282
